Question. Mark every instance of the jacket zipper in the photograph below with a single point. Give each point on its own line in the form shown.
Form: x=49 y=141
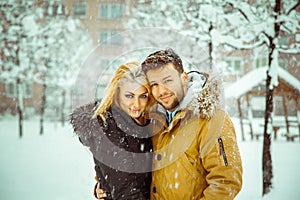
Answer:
x=222 y=151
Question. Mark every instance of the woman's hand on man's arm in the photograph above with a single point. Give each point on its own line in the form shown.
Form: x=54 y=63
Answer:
x=98 y=192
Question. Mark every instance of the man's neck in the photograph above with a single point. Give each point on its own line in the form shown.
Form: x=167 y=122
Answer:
x=171 y=114
x=173 y=110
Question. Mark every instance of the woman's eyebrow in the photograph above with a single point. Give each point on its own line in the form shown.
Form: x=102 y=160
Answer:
x=129 y=92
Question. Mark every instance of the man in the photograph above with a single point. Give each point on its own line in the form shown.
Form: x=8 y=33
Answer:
x=196 y=153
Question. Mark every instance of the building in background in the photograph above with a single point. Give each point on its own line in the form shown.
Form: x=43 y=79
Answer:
x=104 y=21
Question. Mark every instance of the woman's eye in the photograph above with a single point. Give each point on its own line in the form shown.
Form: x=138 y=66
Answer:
x=129 y=96
x=144 y=96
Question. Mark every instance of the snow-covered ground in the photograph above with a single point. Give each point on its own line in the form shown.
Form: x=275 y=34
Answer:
x=56 y=166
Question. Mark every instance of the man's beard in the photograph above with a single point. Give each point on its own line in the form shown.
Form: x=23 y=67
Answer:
x=174 y=104
x=176 y=101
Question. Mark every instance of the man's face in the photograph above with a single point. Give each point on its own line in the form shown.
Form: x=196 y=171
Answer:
x=168 y=87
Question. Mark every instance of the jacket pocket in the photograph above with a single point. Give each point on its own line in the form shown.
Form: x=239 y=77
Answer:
x=222 y=151
x=190 y=169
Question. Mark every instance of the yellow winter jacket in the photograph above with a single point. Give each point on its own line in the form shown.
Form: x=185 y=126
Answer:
x=197 y=156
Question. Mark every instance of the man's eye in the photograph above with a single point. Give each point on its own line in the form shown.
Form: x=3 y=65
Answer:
x=168 y=81
x=129 y=96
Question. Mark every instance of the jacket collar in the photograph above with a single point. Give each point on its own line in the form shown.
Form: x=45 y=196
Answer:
x=124 y=122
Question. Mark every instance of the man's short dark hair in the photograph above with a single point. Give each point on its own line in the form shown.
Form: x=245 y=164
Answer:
x=160 y=58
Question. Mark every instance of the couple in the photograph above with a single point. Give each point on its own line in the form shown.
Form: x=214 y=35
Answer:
x=163 y=116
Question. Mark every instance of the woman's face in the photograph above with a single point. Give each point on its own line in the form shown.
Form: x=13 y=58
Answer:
x=133 y=98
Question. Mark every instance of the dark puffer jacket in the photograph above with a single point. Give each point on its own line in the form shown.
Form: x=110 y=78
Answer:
x=121 y=148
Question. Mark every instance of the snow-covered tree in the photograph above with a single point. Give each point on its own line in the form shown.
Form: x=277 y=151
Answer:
x=17 y=31
x=265 y=23
x=45 y=50
x=170 y=15
x=62 y=47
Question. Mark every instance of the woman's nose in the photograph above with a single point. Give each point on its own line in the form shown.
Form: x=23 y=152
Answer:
x=136 y=103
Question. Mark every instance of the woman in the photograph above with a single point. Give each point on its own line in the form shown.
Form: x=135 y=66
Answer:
x=117 y=134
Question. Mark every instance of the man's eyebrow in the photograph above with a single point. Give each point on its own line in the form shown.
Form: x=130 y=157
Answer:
x=167 y=77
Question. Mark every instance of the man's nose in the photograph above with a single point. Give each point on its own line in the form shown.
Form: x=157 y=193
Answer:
x=161 y=89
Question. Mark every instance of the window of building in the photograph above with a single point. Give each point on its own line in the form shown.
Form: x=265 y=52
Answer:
x=27 y=90
x=110 y=10
x=233 y=66
x=11 y=90
x=116 y=11
x=116 y=38
x=61 y=10
x=53 y=9
x=297 y=37
x=283 y=41
x=261 y=62
x=80 y=9
x=110 y=37
x=103 y=36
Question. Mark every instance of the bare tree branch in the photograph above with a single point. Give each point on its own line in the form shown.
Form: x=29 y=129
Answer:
x=289 y=51
x=293 y=8
x=244 y=46
x=240 y=10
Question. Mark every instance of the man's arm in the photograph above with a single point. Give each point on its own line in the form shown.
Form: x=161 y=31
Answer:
x=222 y=160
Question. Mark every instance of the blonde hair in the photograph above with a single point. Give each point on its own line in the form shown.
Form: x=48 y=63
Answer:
x=128 y=72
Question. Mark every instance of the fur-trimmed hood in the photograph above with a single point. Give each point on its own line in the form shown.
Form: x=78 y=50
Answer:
x=203 y=96
x=203 y=100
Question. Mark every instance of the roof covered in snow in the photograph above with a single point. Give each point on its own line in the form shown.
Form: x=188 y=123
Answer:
x=254 y=78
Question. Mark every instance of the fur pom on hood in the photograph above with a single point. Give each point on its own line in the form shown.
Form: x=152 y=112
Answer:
x=203 y=100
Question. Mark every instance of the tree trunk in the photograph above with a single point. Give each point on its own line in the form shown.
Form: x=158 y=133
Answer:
x=267 y=159
x=250 y=115
x=63 y=107
x=20 y=107
x=241 y=119
x=268 y=128
x=43 y=105
x=210 y=47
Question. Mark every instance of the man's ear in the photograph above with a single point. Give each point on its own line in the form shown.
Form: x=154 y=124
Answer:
x=184 y=77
